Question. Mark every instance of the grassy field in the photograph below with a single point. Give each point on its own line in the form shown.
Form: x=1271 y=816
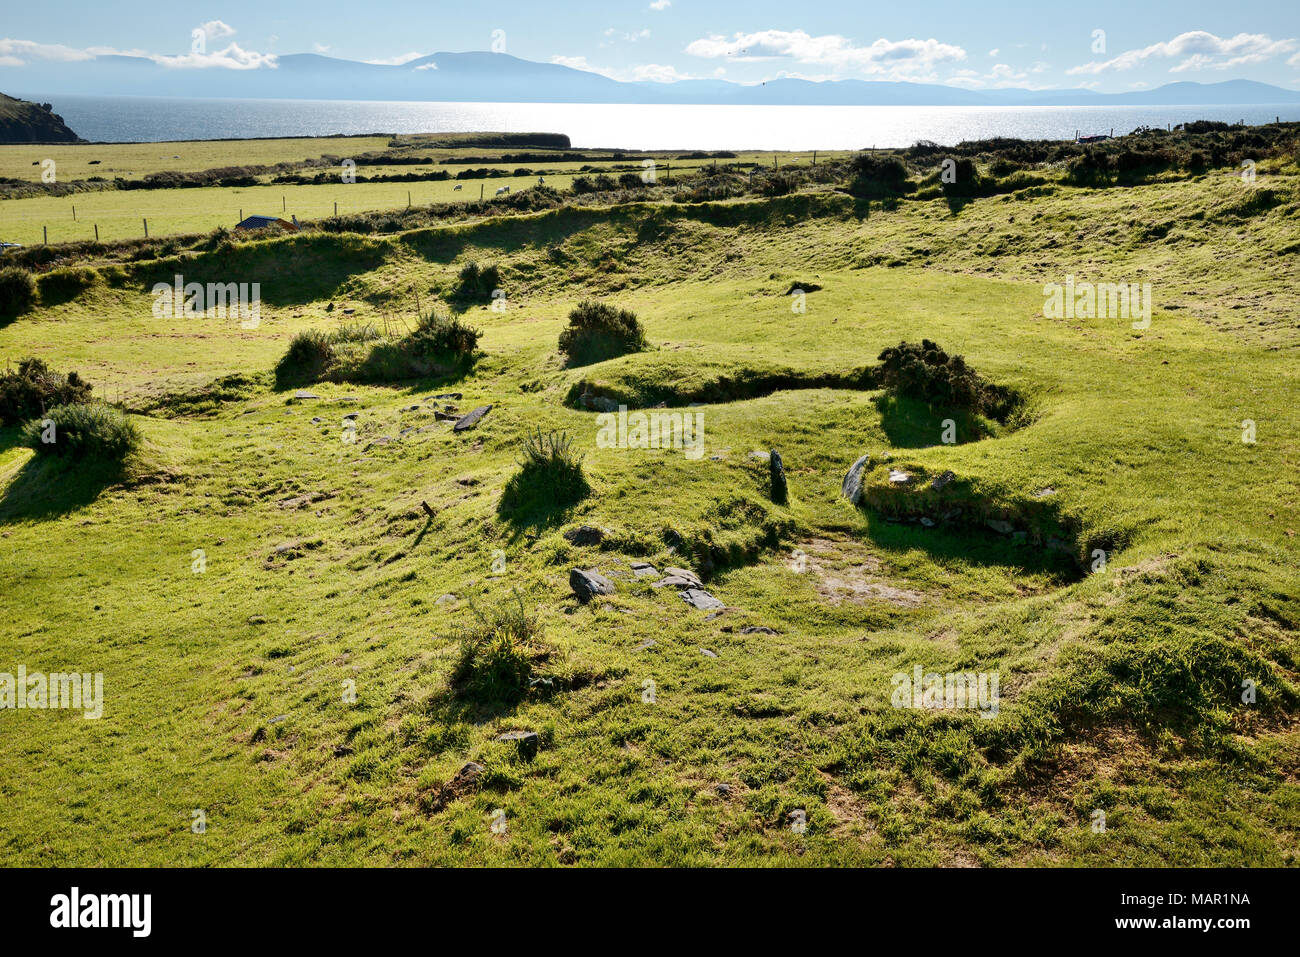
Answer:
x=1121 y=682
x=120 y=214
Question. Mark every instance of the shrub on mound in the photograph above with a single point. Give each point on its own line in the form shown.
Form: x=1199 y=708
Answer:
x=17 y=291
x=478 y=283
x=93 y=431
x=927 y=373
x=34 y=388
x=310 y=355
x=875 y=177
x=438 y=336
x=550 y=475
x=598 y=331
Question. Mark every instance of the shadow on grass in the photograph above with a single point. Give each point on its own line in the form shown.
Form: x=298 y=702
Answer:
x=47 y=488
x=546 y=487
x=912 y=424
x=973 y=546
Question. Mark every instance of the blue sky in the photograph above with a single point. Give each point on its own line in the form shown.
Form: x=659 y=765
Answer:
x=1015 y=43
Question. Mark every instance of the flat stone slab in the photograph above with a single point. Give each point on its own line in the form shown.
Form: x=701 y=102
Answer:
x=699 y=598
x=471 y=420
x=303 y=394
x=644 y=570
x=899 y=477
x=684 y=573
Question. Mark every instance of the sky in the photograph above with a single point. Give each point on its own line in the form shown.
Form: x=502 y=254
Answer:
x=1110 y=46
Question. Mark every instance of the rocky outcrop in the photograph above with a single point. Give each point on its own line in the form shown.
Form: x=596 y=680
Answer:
x=24 y=122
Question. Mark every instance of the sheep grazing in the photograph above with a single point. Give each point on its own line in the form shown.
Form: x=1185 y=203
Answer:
x=503 y=189
x=456 y=188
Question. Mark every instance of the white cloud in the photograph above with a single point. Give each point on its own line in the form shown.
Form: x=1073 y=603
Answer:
x=398 y=60
x=20 y=52
x=661 y=4
x=1196 y=50
x=993 y=53
x=216 y=30
x=901 y=58
x=321 y=47
x=652 y=72
x=232 y=57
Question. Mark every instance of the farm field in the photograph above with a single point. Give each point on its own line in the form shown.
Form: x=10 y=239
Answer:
x=277 y=595
x=120 y=214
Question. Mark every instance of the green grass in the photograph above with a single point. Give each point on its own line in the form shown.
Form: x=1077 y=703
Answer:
x=227 y=690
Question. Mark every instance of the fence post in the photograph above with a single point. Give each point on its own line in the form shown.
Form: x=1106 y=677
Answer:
x=74 y=214
x=146 y=227
x=97 y=232
x=45 y=230
x=408 y=199
x=336 y=209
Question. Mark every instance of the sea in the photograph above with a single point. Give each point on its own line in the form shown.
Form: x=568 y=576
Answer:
x=630 y=126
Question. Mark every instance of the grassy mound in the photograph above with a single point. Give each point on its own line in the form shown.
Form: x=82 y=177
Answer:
x=550 y=476
x=438 y=345
x=500 y=653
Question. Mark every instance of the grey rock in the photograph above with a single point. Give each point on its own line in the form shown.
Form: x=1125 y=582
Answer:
x=683 y=573
x=315 y=419
x=722 y=790
x=851 y=487
x=707 y=653
x=899 y=477
x=648 y=643
x=304 y=394
x=927 y=522
x=586 y=584
x=699 y=598
x=939 y=481
x=471 y=420
x=758 y=630
x=759 y=456
x=468 y=772
x=1044 y=492
x=999 y=526
x=449 y=395
x=584 y=535
x=351 y=415
x=644 y=570
x=598 y=403
x=526 y=741
x=776 y=469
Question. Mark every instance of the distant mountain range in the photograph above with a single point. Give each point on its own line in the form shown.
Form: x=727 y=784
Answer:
x=499 y=77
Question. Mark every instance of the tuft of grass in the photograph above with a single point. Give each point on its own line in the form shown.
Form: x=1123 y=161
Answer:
x=499 y=653
x=310 y=355
x=550 y=475
x=93 y=431
x=598 y=331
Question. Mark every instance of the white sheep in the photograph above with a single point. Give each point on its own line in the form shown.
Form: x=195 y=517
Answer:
x=503 y=189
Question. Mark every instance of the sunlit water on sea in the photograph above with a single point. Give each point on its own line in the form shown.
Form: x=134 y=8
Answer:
x=635 y=126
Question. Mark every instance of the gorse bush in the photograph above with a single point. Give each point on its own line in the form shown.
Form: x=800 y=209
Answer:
x=34 y=388
x=926 y=373
x=478 y=283
x=17 y=291
x=873 y=176
x=439 y=336
x=499 y=653
x=550 y=475
x=310 y=354
x=93 y=431
x=598 y=331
